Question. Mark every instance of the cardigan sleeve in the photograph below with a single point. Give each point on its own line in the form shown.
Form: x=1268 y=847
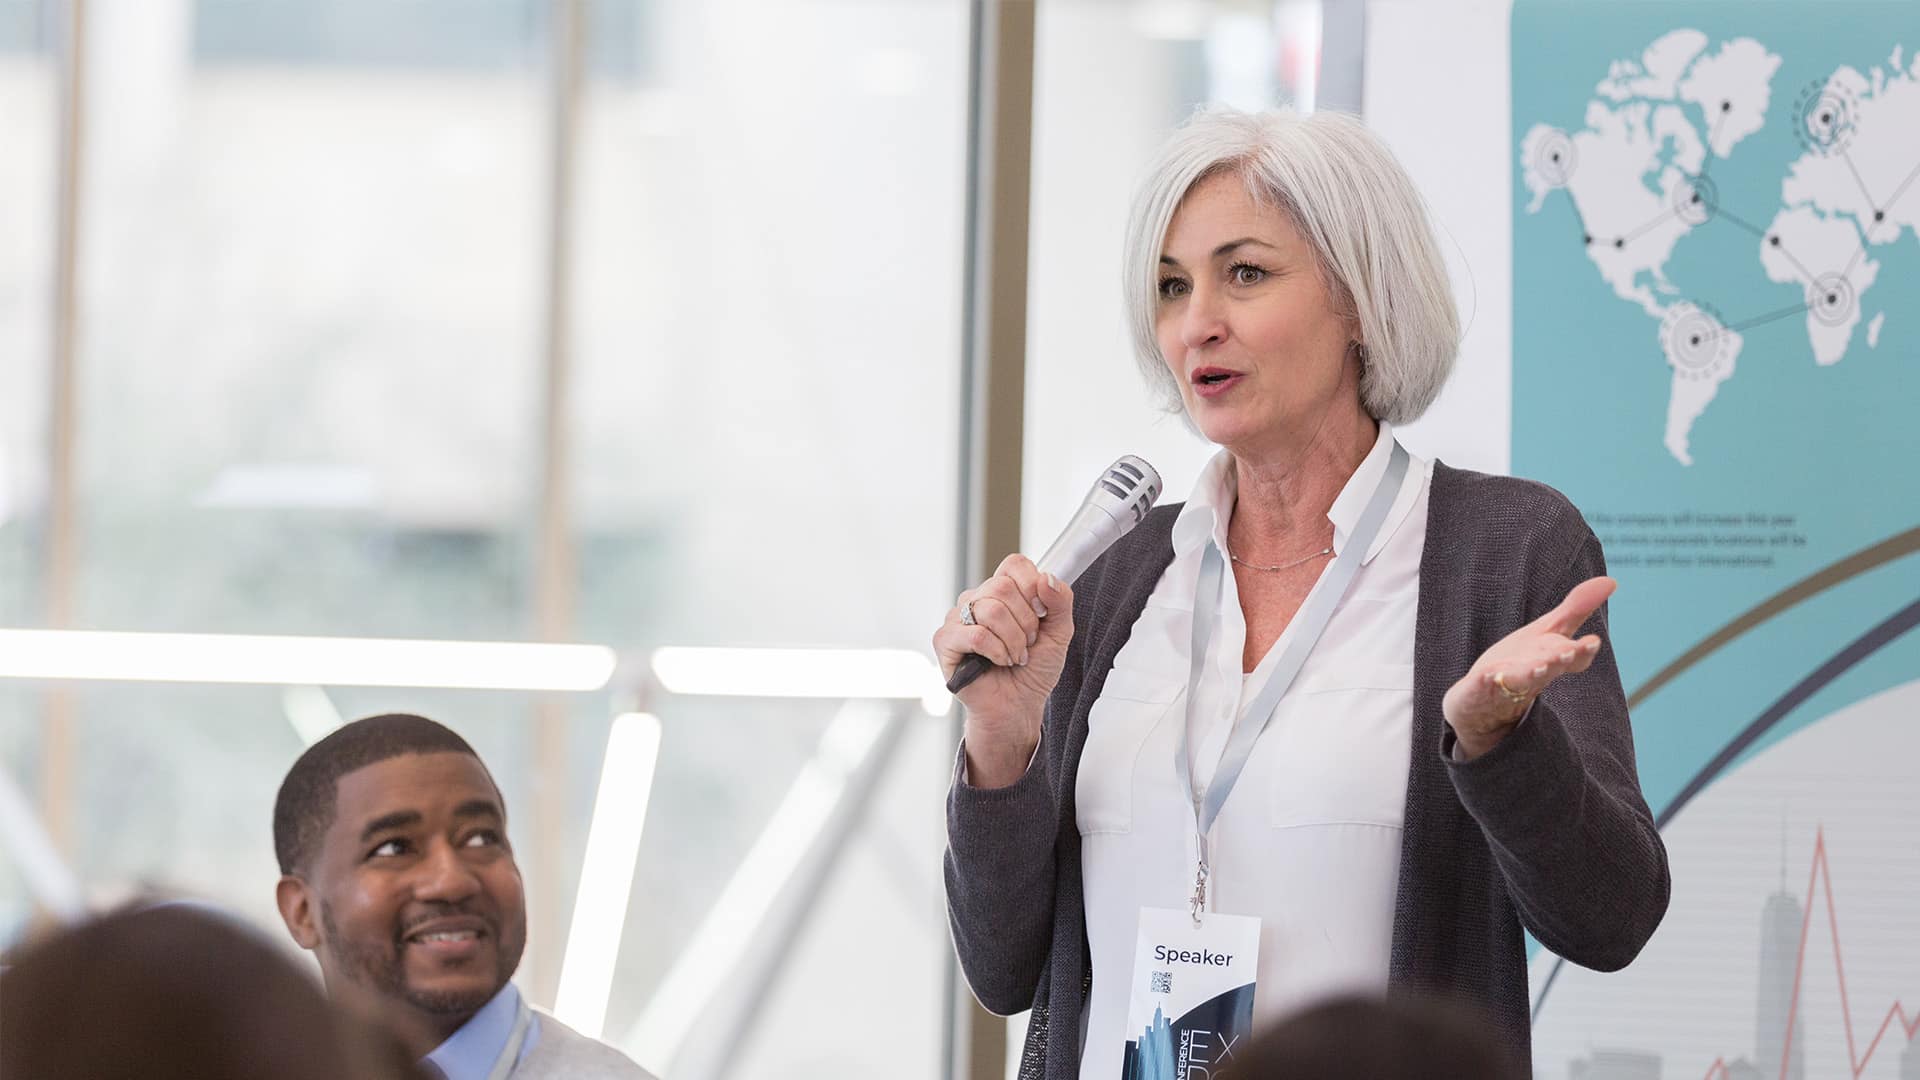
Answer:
x=1001 y=865
x=1560 y=805
x=1000 y=875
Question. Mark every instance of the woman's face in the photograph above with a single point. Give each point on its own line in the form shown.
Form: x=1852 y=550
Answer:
x=1247 y=325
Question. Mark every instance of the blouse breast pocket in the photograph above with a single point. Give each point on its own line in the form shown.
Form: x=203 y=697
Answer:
x=1131 y=706
x=1340 y=746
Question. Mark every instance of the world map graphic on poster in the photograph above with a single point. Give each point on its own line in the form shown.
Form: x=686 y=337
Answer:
x=1639 y=176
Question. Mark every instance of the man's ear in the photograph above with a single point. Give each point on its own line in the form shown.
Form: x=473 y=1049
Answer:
x=298 y=910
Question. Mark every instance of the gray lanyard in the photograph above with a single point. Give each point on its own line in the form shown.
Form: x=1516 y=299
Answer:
x=510 y=1053
x=1309 y=623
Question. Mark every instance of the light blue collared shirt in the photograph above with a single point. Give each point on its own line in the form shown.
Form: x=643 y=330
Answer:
x=469 y=1053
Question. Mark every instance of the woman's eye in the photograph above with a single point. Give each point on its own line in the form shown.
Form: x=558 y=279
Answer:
x=1247 y=274
x=1172 y=288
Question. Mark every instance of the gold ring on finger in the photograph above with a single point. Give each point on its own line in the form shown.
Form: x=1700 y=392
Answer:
x=1514 y=696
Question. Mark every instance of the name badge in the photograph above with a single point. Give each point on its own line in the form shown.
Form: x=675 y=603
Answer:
x=1191 y=1005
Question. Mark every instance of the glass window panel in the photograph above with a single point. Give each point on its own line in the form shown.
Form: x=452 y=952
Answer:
x=770 y=253
x=447 y=35
x=29 y=132
x=29 y=122
x=313 y=286
x=311 y=293
x=310 y=383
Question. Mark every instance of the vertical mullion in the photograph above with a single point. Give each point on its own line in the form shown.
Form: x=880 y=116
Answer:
x=556 y=577
x=62 y=527
x=993 y=379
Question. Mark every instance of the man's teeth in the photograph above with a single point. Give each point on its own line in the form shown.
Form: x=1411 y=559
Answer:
x=449 y=935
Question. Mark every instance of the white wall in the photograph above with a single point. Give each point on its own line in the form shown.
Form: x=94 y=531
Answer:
x=1438 y=90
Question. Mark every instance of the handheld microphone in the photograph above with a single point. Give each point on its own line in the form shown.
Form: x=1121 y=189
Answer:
x=1118 y=501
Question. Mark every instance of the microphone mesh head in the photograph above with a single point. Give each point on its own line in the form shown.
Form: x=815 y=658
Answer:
x=1128 y=485
x=1119 y=500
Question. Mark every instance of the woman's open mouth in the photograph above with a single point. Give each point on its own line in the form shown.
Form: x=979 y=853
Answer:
x=1213 y=381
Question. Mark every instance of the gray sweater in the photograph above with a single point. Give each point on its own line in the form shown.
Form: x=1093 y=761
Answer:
x=1546 y=831
x=562 y=1053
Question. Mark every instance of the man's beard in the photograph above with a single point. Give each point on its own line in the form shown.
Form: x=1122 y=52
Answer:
x=380 y=968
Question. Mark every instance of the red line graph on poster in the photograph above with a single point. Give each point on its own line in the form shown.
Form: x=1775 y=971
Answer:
x=1822 y=877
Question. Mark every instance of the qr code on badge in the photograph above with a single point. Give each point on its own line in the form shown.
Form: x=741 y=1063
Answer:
x=1160 y=982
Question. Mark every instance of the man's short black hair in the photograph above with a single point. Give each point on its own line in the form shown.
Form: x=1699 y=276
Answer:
x=303 y=811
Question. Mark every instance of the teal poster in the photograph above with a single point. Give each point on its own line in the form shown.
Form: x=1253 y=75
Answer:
x=1716 y=255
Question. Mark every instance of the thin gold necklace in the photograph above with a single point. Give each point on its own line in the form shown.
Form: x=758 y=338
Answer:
x=1283 y=566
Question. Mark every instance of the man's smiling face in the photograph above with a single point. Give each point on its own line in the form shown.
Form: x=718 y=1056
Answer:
x=420 y=905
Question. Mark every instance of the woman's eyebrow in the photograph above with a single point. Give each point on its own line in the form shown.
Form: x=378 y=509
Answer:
x=1227 y=248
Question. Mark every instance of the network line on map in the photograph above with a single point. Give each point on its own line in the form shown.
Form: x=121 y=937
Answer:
x=1826 y=123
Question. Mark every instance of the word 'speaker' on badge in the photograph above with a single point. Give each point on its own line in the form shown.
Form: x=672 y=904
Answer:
x=1190 y=1008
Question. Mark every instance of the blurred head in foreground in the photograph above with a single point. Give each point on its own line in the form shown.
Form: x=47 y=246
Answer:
x=1371 y=1039
x=171 y=993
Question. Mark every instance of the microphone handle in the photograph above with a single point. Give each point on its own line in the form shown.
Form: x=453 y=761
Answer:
x=971 y=667
x=1085 y=537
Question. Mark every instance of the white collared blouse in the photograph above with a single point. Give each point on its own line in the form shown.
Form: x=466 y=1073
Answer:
x=1309 y=840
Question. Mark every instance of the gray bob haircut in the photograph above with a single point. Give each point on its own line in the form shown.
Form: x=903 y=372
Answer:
x=1352 y=202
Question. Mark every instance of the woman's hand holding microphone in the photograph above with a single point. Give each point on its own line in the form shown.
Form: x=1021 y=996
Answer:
x=1022 y=620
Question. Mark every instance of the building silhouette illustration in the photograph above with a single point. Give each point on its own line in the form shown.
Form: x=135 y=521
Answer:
x=1780 y=920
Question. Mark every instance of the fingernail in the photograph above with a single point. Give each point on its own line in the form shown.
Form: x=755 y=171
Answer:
x=1039 y=608
x=1567 y=656
x=1033 y=637
x=1539 y=671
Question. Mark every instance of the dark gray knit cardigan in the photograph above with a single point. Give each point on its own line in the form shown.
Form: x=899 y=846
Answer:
x=1546 y=831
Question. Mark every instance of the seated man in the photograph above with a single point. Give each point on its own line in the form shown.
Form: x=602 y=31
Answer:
x=396 y=872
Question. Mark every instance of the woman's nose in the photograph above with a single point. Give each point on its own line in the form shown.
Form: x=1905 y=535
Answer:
x=1204 y=320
